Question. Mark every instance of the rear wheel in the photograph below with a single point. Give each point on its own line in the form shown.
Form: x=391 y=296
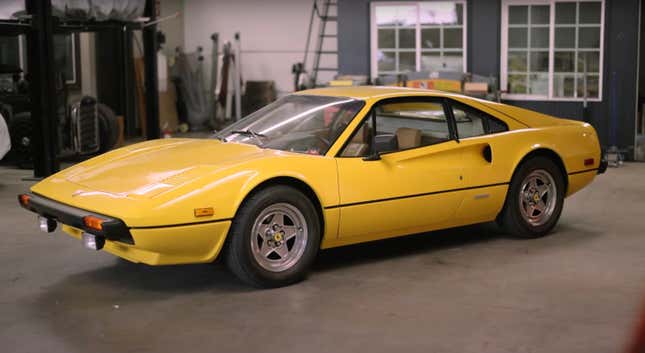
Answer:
x=534 y=200
x=274 y=238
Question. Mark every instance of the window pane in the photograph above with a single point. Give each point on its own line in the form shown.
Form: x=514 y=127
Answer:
x=517 y=84
x=518 y=15
x=453 y=61
x=592 y=60
x=539 y=84
x=563 y=85
x=402 y=126
x=9 y=51
x=407 y=61
x=431 y=61
x=452 y=38
x=396 y=15
x=565 y=37
x=539 y=37
x=540 y=14
x=565 y=12
x=407 y=38
x=517 y=37
x=440 y=12
x=589 y=37
x=563 y=61
x=386 y=38
x=589 y=12
x=430 y=38
x=517 y=61
x=539 y=61
x=385 y=61
x=468 y=125
x=592 y=86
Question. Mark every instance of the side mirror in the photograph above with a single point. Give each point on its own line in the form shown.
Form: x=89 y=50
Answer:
x=372 y=157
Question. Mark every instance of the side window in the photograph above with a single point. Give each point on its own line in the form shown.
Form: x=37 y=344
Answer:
x=400 y=126
x=472 y=122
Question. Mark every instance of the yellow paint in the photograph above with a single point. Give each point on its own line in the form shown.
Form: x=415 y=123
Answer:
x=157 y=185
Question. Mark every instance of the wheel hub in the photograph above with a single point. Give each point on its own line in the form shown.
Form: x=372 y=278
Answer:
x=278 y=237
x=538 y=197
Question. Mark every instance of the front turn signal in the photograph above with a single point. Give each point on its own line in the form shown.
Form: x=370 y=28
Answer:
x=204 y=212
x=93 y=222
x=24 y=199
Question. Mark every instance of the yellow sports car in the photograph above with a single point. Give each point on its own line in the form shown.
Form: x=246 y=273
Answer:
x=318 y=169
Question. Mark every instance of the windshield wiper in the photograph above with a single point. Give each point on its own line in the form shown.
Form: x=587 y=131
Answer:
x=248 y=132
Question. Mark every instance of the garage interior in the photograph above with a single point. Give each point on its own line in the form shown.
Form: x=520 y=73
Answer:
x=147 y=69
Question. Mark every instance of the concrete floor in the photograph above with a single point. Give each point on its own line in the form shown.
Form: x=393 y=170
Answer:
x=464 y=290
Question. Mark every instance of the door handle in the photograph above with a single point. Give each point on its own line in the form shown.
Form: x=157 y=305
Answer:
x=487 y=153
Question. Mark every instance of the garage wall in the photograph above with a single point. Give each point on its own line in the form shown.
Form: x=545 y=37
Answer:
x=613 y=118
x=273 y=34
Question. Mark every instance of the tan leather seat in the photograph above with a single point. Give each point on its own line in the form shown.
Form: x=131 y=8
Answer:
x=408 y=138
x=358 y=146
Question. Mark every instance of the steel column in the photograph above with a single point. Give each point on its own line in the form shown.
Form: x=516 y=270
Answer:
x=150 y=62
x=42 y=85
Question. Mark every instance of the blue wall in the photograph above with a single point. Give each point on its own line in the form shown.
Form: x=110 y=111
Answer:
x=613 y=118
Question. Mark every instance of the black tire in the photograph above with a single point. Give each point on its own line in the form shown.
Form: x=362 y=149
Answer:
x=21 y=131
x=108 y=128
x=238 y=253
x=511 y=218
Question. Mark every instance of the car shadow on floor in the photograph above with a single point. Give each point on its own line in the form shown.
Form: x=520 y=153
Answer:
x=163 y=281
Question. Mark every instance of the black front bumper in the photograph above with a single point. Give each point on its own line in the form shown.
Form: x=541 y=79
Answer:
x=113 y=228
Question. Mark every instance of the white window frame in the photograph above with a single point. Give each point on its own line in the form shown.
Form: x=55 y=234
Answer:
x=504 y=52
x=417 y=48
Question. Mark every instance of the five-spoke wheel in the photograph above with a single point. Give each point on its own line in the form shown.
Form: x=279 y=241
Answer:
x=534 y=199
x=274 y=238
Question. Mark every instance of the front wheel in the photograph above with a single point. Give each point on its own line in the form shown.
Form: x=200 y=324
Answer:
x=534 y=200
x=274 y=238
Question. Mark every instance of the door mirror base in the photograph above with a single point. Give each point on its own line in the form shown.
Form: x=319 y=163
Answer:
x=372 y=157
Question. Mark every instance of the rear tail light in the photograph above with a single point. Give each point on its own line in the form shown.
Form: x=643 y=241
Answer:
x=93 y=222
x=589 y=161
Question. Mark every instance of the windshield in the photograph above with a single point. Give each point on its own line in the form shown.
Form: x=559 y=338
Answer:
x=296 y=123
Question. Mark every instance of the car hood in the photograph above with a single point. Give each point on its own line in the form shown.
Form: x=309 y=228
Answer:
x=150 y=168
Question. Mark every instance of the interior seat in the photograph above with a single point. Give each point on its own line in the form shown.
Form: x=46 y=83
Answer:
x=408 y=138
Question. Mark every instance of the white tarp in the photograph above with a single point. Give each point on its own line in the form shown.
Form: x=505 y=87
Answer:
x=99 y=10
x=5 y=140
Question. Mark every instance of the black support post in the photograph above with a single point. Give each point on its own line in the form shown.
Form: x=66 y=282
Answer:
x=41 y=72
x=150 y=63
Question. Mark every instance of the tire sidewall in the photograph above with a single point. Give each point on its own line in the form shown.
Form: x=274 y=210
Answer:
x=514 y=220
x=240 y=237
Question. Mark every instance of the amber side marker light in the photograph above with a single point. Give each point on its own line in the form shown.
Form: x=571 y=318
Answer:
x=24 y=199
x=589 y=161
x=93 y=222
x=204 y=212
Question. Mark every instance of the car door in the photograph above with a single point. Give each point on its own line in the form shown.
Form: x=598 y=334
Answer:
x=485 y=180
x=400 y=172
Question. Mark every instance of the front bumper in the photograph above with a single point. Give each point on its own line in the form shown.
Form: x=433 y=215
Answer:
x=112 y=228
x=163 y=245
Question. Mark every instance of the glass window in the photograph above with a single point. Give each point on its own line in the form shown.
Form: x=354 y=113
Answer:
x=296 y=123
x=418 y=36
x=528 y=44
x=10 y=50
x=575 y=52
x=399 y=126
x=472 y=122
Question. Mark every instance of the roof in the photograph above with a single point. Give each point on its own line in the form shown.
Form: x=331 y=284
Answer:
x=371 y=92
